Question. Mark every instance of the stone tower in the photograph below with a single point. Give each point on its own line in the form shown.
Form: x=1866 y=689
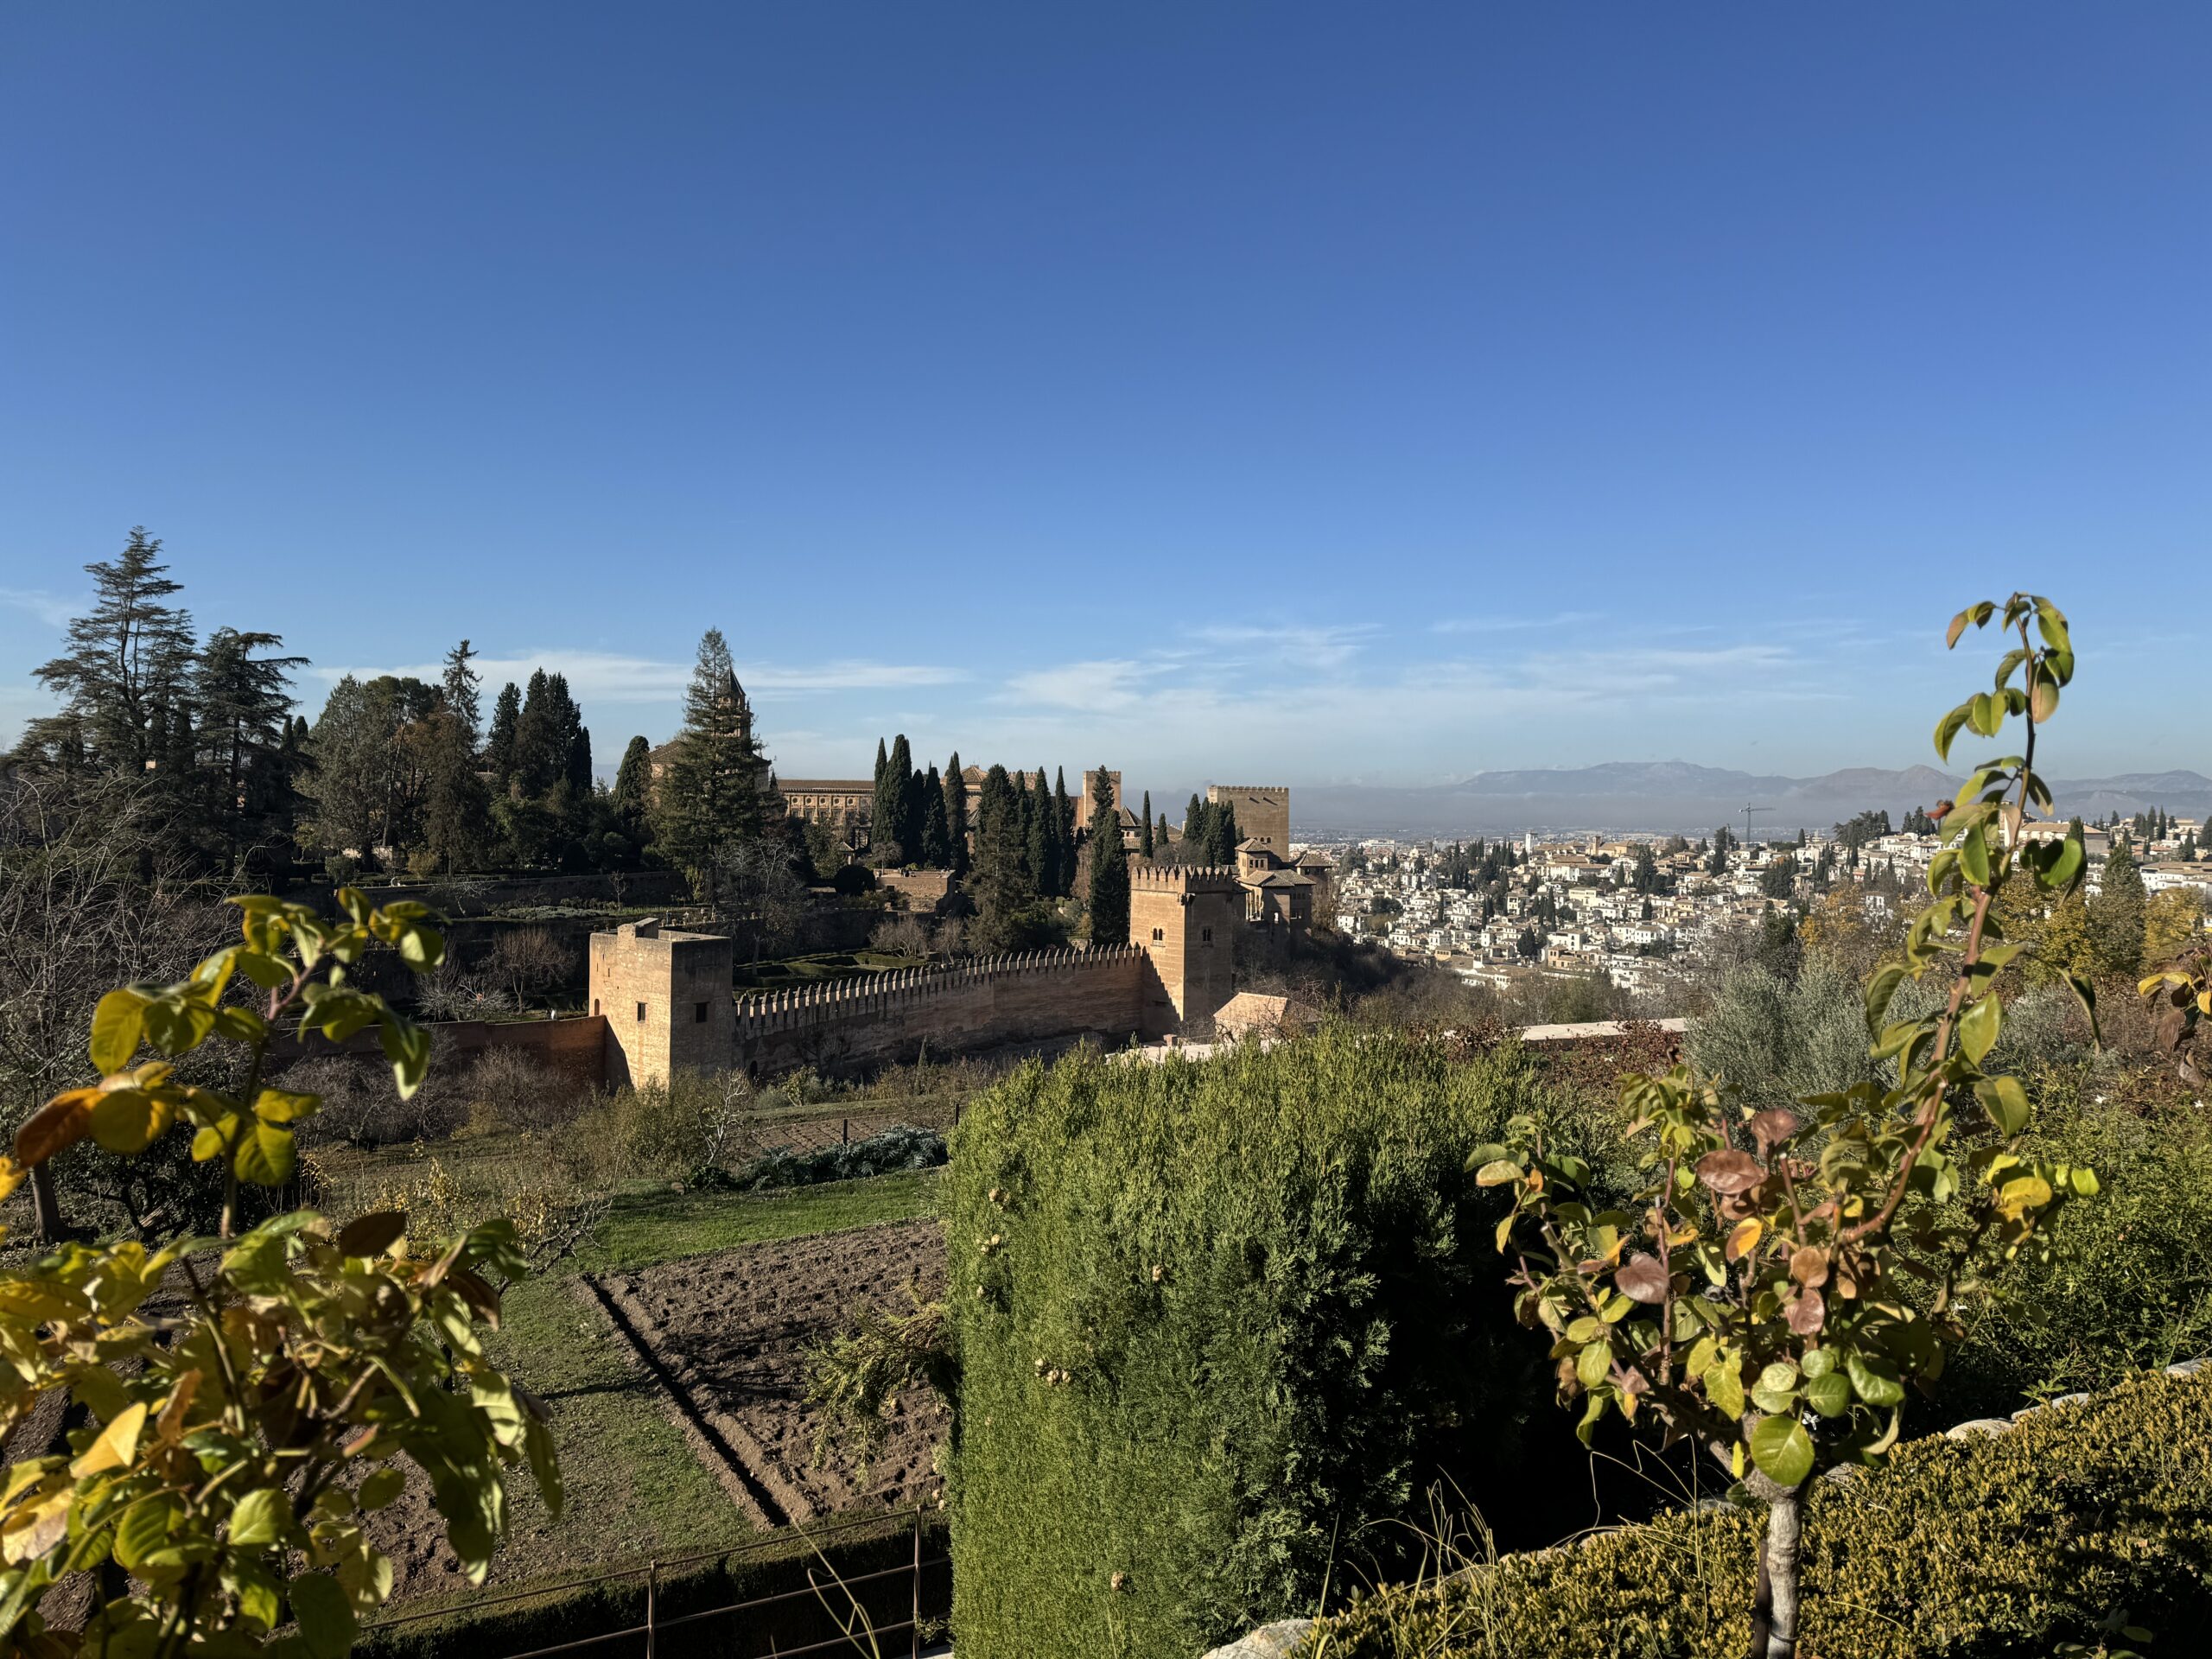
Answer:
x=1186 y=922
x=1263 y=813
x=666 y=1000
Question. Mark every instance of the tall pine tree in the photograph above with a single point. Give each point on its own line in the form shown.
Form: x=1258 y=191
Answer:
x=245 y=715
x=710 y=797
x=128 y=667
x=883 y=811
x=1110 y=868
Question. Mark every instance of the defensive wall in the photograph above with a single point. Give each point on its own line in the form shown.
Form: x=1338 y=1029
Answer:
x=856 y=1025
x=575 y=1048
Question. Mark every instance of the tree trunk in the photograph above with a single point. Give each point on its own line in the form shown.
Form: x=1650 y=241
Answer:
x=46 y=1206
x=1774 y=1604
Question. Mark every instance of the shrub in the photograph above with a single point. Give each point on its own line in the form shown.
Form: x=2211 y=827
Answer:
x=895 y=1148
x=1207 y=1318
x=1988 y=1545
x=659 y=1129
x=508 y=1088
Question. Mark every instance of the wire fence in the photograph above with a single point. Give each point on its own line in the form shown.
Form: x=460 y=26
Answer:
x=878 y=1613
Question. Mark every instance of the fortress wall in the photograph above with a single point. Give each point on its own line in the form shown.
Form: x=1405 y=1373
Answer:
x=1028 y=997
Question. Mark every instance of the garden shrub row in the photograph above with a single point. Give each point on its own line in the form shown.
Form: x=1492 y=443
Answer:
x=1992 y=1544
x=1214 y=1324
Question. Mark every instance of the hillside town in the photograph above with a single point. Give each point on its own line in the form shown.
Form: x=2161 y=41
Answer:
x=1642 y=910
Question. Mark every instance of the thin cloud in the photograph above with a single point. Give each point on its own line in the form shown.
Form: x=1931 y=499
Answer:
x=1512 y=624
x=609 y=676
x=1105 y=686
x=52 y=609
x=1321 y=647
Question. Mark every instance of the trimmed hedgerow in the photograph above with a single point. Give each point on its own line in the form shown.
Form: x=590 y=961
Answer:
x=1992 y=1544
x=1215 y=1322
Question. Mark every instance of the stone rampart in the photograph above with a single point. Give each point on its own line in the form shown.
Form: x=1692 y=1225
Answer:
x=1029 y=996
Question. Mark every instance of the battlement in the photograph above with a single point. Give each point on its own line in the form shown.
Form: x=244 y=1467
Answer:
x=1181 y=879
x=766 y=1014
x=1251 y=789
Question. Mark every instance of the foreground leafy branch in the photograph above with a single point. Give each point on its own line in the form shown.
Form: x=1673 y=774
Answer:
x=1783 y=1279
x=250 y=1398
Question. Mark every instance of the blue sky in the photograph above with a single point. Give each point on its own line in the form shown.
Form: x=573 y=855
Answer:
x=1316 y=393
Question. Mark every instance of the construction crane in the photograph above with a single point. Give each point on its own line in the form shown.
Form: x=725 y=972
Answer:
x=1747 y=820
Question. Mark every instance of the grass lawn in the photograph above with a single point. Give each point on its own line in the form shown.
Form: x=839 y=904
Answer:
x=643 y=1228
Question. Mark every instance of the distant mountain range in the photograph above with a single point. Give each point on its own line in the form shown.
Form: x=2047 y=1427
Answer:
x=1674 y=795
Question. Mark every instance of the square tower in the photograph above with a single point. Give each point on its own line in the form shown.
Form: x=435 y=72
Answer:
x=1186 y=922
x=1263 y=813
x=666 y=1000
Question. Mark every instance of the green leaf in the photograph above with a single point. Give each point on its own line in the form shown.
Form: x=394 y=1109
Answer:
x=143 y=1528
x=264 y=1155
x=2065 y=867
x=1875 y=1378
x=1946 y=730
x=1498 y=1172
x=407 y=1047
x=1593 y=1363
x=2005 y=1101
x=1880 y=990
x=1489 y=1153
x=260 y=1517
x=325 y=1613
x=381 y=1487
x=1978 y=1026
x=1829 y=1393
x=128 y=1121
x=1782 y=1451
x=1974 y=857
x=117 y=1023
x=1724 y=1388
x=283 y=1106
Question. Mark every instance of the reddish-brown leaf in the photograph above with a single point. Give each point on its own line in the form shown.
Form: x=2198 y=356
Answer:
x=1808 y=1314
x=1773 y=1127
x=60 y=1123
x=1642 y=1278
x=372 y=1235
x=1730 y=1171
x=1808 y=1266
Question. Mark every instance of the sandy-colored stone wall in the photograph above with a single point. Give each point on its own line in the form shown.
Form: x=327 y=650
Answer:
x=1187 y=922
x=855 y=1026
x=1263 y=813
x=666 y=999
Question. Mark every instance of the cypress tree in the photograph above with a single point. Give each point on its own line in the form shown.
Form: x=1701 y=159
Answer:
x=1109 y=869
x=883 y=810
x=634 y=784
x=1194 y=819
x=1045 y=842
x=499 y=745
x=937 y=841
x=1001 y=886
x=1145 y=818
x=896 y=793
x=956 y=815
x=1160 y=838
x=1024 y=829
x=914 y=813
x=1064 y=817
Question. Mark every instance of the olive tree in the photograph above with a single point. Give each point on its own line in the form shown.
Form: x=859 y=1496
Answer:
x=1785 y=1278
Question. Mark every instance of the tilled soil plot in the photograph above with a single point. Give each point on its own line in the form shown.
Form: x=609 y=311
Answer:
x=734 y=1334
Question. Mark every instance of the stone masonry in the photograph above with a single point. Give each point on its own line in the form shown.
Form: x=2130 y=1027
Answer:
x=665 y=998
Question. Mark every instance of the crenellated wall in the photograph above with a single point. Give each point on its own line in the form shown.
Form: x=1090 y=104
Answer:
x=1030 y=996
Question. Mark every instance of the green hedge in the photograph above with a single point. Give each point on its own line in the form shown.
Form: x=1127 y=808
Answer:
x=1991 y=1545
x=1218 y=1326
